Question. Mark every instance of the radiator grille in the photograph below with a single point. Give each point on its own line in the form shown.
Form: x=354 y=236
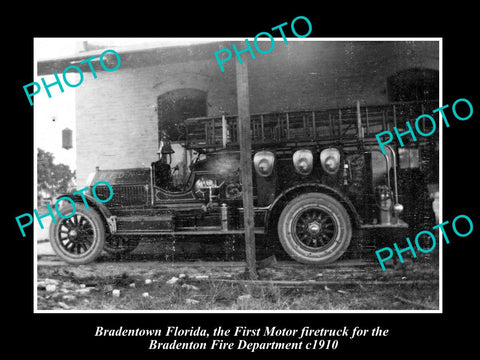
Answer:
x=124 y=194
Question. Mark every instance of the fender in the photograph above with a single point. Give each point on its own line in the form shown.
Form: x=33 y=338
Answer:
x=105 y=213
x=317 y=187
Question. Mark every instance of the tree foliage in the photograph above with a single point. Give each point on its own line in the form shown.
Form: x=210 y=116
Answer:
x=52 y=178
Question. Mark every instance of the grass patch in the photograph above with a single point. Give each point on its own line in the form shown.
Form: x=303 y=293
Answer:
x=215 y=295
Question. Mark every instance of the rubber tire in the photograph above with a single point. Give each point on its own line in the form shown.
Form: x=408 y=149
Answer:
x=98 y=241
x=327 y=204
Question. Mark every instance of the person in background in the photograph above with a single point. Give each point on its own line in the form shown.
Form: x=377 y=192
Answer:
x=161 y=168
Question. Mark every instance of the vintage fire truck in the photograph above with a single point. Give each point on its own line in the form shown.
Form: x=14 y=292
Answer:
x=318 y=177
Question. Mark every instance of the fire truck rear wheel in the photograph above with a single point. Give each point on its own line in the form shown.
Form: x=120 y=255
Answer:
x=79 y=239
x=314 y=228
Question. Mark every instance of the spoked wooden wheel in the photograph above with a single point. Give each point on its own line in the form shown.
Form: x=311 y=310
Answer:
x=314 y=228
x=79 y=239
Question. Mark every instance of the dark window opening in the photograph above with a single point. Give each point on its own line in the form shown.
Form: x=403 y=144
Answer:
x=177 y=105
x=413 y=85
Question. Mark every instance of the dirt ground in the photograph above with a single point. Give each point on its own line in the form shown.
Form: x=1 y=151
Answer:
x=178 y=279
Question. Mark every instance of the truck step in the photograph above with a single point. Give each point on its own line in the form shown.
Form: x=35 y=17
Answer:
x=164 y=222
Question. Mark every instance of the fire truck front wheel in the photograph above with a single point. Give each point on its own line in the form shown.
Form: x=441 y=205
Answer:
x=314 y=228
x=80 y=238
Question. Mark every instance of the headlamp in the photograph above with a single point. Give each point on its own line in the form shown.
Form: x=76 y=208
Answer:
x=303 y=161
x=263 y=162
x=330 y=160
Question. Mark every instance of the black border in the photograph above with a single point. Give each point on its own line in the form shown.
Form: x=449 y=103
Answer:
x=410 y=334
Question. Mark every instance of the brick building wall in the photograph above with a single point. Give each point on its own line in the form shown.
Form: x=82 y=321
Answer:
x=116 y=114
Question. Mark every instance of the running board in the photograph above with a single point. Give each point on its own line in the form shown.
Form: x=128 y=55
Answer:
x=158 y=223
x=203 y=231
x=400 y=225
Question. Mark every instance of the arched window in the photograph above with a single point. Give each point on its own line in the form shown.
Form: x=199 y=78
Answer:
x=415 y=84
x=177 y=105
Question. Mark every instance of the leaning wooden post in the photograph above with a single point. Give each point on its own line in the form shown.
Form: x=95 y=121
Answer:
x=245 y=142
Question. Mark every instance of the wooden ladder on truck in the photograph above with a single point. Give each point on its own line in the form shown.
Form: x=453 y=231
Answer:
x=286 y=128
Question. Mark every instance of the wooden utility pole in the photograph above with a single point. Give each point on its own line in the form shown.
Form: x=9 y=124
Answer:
x=245 y=142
